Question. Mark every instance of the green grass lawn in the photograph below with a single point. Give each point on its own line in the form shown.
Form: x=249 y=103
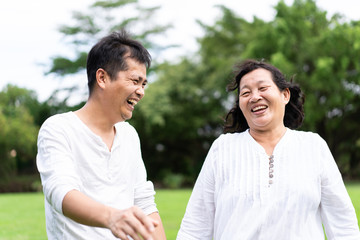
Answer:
x=171 y=205
x=354 y=192
x=22 y=214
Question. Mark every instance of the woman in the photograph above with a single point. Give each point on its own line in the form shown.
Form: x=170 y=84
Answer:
x=264 y=180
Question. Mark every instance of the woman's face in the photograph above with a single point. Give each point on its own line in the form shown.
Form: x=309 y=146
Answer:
x=261 y=101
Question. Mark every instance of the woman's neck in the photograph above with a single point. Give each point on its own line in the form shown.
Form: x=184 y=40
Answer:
x=268 y=139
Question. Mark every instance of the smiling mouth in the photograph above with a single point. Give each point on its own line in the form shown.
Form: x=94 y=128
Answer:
x=132 y=102
x=258 y=108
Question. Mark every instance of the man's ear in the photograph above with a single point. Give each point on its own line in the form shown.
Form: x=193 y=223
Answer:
x=101 y=78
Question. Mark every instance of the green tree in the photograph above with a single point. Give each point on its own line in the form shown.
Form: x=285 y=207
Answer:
x=179 y=117
x=18 y=131
x=184 y=106
x=322 y=53
x=101 y=18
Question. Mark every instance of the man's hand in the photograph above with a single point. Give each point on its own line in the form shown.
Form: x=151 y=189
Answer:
x=131 y=222
x=122 y=223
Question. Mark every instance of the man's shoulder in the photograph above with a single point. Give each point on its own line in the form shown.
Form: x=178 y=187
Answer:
x=60 y=119
x=125 y=128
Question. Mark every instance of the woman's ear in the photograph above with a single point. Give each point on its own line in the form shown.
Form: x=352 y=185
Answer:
x=286 y=93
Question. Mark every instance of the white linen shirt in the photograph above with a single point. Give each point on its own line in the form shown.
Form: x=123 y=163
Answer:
x=70 y=156
x=232 y=197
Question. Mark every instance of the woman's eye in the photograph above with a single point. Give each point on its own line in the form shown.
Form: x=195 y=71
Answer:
x=263 y=88
x=244 y=94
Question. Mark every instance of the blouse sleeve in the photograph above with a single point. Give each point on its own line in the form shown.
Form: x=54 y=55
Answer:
x=198 y=221
x=337 y=211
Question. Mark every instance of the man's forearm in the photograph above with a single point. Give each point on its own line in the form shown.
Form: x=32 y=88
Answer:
x=85 y=210
x=159 y=233
x=131 y=221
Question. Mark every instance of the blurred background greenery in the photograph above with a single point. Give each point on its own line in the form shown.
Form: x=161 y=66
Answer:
x=186 y=100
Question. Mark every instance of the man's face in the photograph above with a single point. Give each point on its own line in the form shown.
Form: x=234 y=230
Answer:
x=125 y=91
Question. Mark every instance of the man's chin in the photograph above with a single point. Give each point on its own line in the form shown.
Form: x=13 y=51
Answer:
x=125 y=117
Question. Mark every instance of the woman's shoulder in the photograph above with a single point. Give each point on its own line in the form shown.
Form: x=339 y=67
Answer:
x=306 y=136
x=231 y=138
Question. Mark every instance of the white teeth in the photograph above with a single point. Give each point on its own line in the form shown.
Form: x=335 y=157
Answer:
x=258 y=108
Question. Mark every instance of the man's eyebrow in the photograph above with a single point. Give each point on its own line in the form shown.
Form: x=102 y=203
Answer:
x=136 y=76
x=144 y=80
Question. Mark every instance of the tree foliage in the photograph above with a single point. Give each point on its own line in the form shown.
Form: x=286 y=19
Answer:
x=188 y=98
x=18 y=131
x=102 y=18
x=21 y=115
x=183 y=109
x=185 y=103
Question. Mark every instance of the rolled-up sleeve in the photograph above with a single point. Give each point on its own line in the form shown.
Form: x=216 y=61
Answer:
x=55 y=164
x=145 y=197
x=144 y=193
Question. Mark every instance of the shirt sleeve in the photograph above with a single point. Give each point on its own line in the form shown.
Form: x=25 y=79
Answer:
x=144 y=194
x=337 y=211
x=145 y=197
x=55 y=164
x=198 y=221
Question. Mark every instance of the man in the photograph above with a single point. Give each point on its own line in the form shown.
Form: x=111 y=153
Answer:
x=93 y=176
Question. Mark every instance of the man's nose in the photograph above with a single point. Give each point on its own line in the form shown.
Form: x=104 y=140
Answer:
x=140 y=91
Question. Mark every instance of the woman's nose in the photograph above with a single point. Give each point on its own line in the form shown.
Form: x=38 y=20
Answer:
x=255 y=96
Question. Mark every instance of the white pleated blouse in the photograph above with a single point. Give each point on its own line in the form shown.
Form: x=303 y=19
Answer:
x=239 y=195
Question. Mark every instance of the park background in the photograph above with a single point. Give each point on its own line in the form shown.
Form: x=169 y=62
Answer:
x=186 y=99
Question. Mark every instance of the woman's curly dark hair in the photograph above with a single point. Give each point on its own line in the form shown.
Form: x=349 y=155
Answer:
x=294 y=110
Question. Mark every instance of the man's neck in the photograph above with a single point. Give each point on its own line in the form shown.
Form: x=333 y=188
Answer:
x=98 y=122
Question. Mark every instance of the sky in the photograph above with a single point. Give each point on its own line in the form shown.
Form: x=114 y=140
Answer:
x=30 y=36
